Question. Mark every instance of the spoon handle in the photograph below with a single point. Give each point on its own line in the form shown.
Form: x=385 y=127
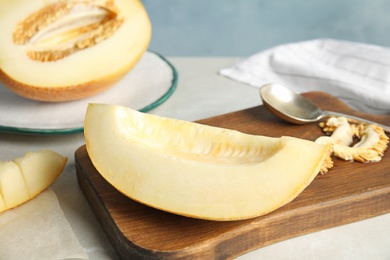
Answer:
x=330 y=114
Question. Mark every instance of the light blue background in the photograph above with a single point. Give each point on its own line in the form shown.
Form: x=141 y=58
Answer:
x=244 y=27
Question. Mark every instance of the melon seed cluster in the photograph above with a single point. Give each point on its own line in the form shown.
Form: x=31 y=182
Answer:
x=59 y=29
x=371 y=146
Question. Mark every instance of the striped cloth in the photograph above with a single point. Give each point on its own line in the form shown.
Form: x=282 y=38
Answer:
x=358 y=74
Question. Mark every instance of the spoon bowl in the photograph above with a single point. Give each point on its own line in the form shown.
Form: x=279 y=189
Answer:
x=296 y=109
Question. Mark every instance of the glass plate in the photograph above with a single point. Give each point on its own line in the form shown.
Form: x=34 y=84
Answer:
x=151 y=82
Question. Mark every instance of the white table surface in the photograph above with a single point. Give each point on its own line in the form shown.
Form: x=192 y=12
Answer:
x=201 y=93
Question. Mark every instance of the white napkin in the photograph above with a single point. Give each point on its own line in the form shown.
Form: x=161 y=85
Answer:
x=358 y=74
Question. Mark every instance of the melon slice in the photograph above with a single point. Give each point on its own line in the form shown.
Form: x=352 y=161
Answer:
x=69 y=49
x=3 y=207
x=12 y=186
x=197 y=170
x=24 y=178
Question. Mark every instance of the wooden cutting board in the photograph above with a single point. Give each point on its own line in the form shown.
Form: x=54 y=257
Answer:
x=351 y=191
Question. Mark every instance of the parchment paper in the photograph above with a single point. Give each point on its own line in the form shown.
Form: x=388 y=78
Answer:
x=38 y=229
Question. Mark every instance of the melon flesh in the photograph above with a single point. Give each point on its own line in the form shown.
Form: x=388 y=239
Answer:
x=2 y=203
x=12 y=186
x=40 y=169
x=197 y=170
x=24 y=178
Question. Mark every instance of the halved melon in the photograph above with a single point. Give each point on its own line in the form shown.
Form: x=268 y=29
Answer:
x=24 y=178
x=69 y=49
x=197 y=170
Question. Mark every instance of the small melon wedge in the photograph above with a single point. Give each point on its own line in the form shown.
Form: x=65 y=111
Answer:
x=40 y=169
x=197 y=170
x=24 y=178
x=12 y=185
x=2 y=203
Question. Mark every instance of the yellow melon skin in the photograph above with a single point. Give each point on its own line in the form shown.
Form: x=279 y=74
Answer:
x=81 y=74
x=196 y=170
x=24 y=178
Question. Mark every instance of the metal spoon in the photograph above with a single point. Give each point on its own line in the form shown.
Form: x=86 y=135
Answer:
x=296 y=109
